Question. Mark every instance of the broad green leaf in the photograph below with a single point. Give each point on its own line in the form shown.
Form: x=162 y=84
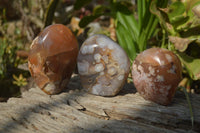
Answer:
x=162 y=18
x=87 y=19
x=97 y=12
x=176 y=9
x=191 y=64
x=191 y=12
x=122 y=7
x=99 y=9
x=80 y=3
x=179 y=22
x=177 y=15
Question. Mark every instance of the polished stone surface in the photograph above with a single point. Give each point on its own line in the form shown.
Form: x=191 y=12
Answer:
x=103 y=66
x=156 y=74
x=52 y=58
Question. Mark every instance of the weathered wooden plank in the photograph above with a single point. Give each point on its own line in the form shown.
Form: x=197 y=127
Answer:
x=75 y=111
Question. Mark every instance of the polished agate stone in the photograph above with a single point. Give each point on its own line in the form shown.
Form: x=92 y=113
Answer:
x=52 y=58
x=103 y=66
x=156 y=74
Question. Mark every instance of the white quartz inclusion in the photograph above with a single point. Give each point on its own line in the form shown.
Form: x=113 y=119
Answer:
x=160 y=78
x=112 y=71
x=99 y=67
x=172 y=70
x=50 y=87
x=120 y=77
x=103 y=42
x=108 y=62
x=118 y=54
x=151 y=70
x=168 y=57
x=88 y=49
x=96 y=89
x=97 y=57
x=83 y=67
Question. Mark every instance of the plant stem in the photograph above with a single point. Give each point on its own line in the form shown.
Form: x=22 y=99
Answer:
x=189 y=104
x=163 y=39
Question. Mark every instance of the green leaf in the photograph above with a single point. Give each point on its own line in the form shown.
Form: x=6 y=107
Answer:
x=99 y=9
x=88 y=19
x=196 y=10
x=189 y=104
x=163 y=18
x=121 y=7
x=141 y=12
x=191 y=64
x=180 y=44
x=189 y=4
x=126 y=41
x=176 y=9
x=80 y=3
x=155 y=11
x=130 y=23
x=2 y=47
x=193 y=31
x=179 y=22
x=151 y=26
x=142 y=41
x=49 y=15
x=177 y=14
x=97 y=12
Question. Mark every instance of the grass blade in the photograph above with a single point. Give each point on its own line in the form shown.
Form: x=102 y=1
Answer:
x=50 y=12
x=189 y=104
x=140 y=13
x=126 y=41
x=130 y=23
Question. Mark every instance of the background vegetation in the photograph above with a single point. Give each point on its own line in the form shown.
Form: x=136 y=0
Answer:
x=135 y=25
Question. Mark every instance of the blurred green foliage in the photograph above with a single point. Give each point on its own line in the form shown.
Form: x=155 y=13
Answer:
x=8 y=66
x=50 y=12
x=9 y=60
x=134 y=27
x=173 y=24
x=133 y=33
x=180 y=24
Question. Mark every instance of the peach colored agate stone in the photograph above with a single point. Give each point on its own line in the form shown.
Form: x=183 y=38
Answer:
x=52 y=58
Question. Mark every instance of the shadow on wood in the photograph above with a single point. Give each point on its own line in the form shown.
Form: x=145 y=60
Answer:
x=75 y=111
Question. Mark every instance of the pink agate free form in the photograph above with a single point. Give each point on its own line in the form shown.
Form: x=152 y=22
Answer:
x=52 y=58
x=103 y=66
x=156 y=74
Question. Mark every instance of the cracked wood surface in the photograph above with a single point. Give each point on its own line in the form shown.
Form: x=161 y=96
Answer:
x=75 y=111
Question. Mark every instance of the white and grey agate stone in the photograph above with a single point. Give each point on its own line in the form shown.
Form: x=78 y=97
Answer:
x=103 y=66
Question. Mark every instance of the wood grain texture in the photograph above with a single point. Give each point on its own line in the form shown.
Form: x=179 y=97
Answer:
x=75 y=111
